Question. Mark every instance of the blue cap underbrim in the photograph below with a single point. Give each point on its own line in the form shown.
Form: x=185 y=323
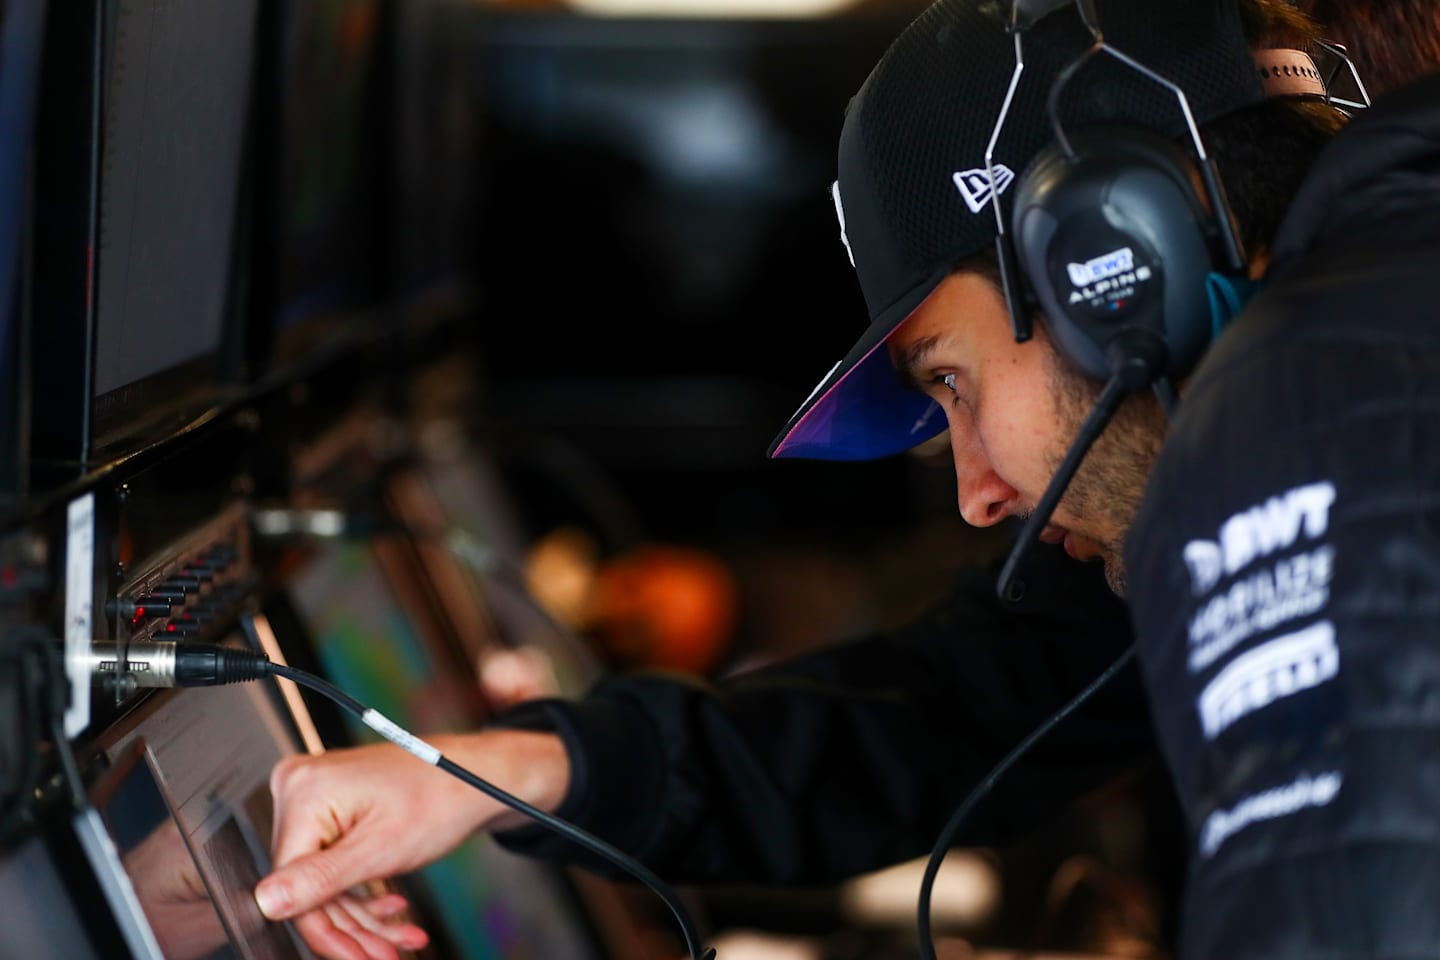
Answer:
x=862 y=410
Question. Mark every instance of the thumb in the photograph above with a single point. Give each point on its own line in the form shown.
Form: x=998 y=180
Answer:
x=308 y=882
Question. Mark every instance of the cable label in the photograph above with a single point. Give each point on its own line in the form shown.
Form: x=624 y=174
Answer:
x=399 y=736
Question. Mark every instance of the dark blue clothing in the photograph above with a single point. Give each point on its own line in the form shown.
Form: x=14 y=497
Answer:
x=1287 y=567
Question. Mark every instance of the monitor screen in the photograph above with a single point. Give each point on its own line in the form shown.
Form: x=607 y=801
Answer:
x=174 y=109
x=192 y=816
x=326 y=187
x=492 y=904
x=41 y=914
x=21 y=26
x=456 y=494
x=158 y=860
x=437 y=148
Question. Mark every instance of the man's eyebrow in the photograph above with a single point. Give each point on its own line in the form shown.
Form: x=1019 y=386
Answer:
x=909 y=361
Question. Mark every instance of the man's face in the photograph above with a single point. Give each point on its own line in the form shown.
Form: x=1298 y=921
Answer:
x=1013 y=410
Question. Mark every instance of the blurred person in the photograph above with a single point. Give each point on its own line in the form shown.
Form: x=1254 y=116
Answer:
x=1275 y=539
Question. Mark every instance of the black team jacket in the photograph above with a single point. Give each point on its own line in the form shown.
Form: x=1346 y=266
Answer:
x=1289 y=550
x=1285 y=582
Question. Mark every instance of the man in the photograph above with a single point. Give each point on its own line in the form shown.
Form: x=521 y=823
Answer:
x=1275 y=541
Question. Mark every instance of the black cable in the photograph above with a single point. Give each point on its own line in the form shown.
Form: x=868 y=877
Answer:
x=1138 y=360
x=42 y=688
x=947 y=835
x=55 y=701
x=26 y=732
x=398 y=735
x=194 y=664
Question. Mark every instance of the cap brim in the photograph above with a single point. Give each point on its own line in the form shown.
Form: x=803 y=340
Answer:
x=861 y=410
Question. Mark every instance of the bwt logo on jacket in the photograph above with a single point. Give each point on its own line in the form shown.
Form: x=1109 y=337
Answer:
x=1258 y=532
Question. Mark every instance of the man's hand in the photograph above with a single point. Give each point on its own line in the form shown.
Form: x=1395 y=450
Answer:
x=351 y=816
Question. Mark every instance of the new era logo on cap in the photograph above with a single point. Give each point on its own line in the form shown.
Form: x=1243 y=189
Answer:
x=974 y=185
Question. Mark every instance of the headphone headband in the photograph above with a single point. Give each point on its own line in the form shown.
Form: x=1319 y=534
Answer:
x=1289 y=73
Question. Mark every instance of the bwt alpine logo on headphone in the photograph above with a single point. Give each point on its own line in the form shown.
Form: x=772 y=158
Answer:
x=1108 y=280
x=1102 y=267
x=974 y=185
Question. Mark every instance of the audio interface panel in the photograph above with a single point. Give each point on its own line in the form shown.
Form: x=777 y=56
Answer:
x=190 y=590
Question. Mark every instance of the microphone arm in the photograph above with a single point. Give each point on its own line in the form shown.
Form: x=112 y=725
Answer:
x=1138 y=361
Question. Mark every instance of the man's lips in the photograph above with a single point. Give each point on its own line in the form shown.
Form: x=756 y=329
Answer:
x=1075 y=545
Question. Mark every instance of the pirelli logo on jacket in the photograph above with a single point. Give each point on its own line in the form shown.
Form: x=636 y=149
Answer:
x=1272 y=671
x=1266 y=593
x=1260 y=636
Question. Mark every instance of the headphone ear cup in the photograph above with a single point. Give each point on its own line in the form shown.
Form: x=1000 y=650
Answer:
x=1114 y=238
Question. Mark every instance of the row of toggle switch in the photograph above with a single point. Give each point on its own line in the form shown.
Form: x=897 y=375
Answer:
x=199 y=616
x=179 y=590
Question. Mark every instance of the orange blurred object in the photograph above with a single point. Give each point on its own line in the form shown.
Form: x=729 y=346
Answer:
x=664 y=606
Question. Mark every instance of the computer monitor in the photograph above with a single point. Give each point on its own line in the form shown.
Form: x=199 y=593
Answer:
x=21 y=29
x=491 y=904
x=322 y=245
x=471 y=549
x=174 y=107
x=187 y=803
x=181 y=918
x=437 y=146
x=43 y=917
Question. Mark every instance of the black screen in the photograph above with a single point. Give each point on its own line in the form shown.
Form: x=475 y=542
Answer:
x=41 y=916
x=175 y=100
x=327 y=185
x=21 y=22
x=437 y=144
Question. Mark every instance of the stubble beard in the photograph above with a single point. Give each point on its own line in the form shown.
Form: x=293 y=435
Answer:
x=1105 y=494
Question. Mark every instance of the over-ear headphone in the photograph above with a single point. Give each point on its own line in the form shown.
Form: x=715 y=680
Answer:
x=1109 y=236
x=1115 y=245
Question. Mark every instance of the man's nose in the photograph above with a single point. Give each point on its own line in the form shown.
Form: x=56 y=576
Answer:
x=985 y=498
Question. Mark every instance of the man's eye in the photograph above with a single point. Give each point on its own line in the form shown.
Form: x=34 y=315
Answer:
x=951 y=382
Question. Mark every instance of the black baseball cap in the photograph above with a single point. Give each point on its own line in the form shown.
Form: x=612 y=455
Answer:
x=913 y=196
